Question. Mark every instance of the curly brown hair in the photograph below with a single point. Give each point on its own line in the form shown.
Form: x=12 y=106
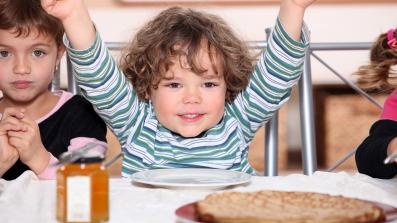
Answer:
x=150 y=53
x=24 y=16
x=377 y=74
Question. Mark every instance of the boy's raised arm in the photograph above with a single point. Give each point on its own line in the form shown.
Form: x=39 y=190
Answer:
x=75 y=19
x=291 y=16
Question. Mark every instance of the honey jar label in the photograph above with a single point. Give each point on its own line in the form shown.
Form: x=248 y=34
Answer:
x=78 y=199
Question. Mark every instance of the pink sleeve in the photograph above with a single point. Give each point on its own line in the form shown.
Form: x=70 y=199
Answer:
x=390 y=107
x=49 y=173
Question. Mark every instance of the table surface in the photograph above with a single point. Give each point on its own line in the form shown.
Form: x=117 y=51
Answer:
x=27 y=199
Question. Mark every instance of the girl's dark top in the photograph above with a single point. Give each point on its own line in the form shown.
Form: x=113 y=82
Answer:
x=76 y=118
x=373 y=150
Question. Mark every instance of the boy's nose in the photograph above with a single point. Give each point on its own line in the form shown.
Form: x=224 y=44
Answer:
x=192 y=96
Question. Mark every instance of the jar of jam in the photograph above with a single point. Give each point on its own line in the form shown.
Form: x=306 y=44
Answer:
x=83 y=191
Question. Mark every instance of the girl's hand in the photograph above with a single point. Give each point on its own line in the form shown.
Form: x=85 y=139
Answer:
x=392 y=147
x=29 y=145
x=8 y=153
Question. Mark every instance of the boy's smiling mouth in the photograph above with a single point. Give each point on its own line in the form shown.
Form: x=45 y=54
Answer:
x=191 y=117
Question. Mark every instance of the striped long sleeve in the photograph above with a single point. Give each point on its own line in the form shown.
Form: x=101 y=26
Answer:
x=277 y=70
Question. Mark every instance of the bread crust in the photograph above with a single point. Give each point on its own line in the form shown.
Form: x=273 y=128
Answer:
x=285 y=207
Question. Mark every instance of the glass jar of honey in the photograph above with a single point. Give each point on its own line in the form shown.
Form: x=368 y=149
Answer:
x=83 y=191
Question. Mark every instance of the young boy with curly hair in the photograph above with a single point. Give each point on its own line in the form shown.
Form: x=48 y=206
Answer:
x=188 y=94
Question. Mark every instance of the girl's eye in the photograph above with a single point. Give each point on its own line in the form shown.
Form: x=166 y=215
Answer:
x=38 y=53
x=4 y=54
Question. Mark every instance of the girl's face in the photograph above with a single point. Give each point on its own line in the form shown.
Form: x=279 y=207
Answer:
x=188 y=103
x=27 y=65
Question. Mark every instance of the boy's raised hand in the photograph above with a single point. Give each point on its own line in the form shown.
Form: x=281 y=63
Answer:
x=75 y=19
x=303 y=3
x=62 y=9
x=291 y=16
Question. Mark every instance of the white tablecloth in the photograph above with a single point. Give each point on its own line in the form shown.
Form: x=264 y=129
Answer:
x=27 y=199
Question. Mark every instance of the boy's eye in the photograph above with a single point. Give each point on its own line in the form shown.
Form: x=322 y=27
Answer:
x=210 y=85
x=38 y=53
x=173 y=85
x=4 y=53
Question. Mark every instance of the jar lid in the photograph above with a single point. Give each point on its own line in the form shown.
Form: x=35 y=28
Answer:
x=96 y=159
x=91 y=156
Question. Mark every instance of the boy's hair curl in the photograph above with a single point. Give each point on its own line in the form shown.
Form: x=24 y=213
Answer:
x=380 y=73
x=150 y=53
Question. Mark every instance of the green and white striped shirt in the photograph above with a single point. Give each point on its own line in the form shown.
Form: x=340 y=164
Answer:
x=149 y=145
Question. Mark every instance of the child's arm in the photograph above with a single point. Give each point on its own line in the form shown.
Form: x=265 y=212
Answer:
x=103 y=84
x=8 y=153
x=373 y=150
x=291 y=16
x=392 y=147
x=277 y=70
x=75 y=19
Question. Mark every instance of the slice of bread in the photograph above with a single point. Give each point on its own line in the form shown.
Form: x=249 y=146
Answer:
x=285 y=207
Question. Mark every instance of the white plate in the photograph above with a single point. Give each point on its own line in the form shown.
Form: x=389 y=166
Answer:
x=191 y=178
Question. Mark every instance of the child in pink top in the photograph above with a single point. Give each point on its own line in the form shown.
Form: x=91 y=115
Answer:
x=390 y=107
x=382 y=140
x=37 y=125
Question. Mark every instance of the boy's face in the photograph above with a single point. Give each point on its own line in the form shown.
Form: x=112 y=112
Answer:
x=27 y=64
x=190 y=104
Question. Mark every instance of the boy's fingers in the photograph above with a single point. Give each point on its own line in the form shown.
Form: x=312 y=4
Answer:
x=47 y=3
